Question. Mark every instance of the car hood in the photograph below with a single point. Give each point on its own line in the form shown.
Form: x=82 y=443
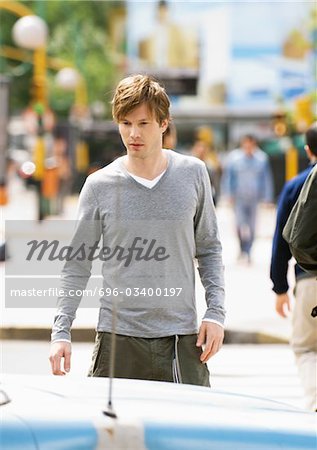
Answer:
x=155 y=414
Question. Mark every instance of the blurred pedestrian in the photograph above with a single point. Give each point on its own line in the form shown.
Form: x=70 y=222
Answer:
x=300 y=230
x=154 y=212
x=204 y=149
x=63 y=165
x=304 y=332
x=200 y=150
x=247 y=182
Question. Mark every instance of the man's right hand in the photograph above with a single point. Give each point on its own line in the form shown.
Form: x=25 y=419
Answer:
x=60 y=350
x=282 y=304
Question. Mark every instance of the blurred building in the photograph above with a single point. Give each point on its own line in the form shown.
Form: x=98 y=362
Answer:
x=245 y=55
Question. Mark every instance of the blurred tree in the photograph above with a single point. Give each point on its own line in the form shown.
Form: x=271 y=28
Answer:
x=19 y=72
x=78 y=33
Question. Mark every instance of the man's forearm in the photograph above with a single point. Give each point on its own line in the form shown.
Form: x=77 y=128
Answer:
x=61 y=328
x=212 y=279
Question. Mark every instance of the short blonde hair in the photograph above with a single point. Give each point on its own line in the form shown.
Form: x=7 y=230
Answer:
x=135 y=90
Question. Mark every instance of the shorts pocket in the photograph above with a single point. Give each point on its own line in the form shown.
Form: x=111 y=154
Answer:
x=100 y=357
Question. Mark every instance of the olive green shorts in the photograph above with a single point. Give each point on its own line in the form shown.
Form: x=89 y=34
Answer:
x=172 y=358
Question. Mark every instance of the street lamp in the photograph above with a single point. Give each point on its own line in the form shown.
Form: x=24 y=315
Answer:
x=31 y=32
x=69 y=79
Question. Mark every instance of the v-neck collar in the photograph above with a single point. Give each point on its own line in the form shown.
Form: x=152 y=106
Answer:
x=140 y=185
x=146 y=182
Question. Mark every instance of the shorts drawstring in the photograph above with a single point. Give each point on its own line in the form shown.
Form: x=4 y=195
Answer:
x=177 y=377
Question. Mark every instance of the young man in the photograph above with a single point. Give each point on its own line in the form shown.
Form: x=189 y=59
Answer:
x=247 y=182
x=304 y=335
x=154 y=212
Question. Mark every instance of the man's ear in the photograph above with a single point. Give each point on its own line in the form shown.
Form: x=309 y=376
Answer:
x=308 y=152
x=164 y=125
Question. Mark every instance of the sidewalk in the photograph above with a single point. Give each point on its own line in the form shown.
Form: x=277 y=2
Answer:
x=251 y=316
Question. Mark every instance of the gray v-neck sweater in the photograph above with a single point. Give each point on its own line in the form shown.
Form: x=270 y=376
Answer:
x=149 y=240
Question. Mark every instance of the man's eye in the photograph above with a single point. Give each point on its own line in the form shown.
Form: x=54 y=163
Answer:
x=144 y=123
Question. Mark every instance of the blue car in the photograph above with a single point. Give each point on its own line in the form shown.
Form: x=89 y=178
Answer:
x=67 y=413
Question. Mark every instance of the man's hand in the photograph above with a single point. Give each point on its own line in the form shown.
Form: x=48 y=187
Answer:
x=211 y=337
x=58 y=351
x=282 y=304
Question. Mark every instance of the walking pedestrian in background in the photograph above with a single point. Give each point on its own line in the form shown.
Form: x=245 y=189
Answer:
x=204 y=149
x=247 y=182
x=304 y=332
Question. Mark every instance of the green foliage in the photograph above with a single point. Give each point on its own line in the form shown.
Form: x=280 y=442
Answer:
x=20 y=73
x=78 y=34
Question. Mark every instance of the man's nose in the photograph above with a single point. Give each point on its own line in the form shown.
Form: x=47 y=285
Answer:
x=134 y=131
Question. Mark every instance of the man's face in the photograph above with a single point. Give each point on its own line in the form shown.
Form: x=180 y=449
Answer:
x=141 y=133
x=248 y=146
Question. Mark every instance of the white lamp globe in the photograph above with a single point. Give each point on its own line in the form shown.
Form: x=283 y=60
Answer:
x=30 y=32
x=67 y=78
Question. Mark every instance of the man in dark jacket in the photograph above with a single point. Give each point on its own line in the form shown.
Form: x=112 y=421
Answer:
x=300 y=230
x=304 y=335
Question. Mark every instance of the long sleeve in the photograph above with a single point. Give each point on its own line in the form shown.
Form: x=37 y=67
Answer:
x=280 y=250
x=76 y=272
x=266 y=188
x=209 y=252
x=227 y=183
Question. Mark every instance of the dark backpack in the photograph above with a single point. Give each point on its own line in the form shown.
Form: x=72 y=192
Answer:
x=300 y=230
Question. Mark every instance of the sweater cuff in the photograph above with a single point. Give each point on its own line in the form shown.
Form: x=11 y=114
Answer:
x=215 y=315
x=61 y=328
x=60 y=336
x=280 y=289
x=214 y=321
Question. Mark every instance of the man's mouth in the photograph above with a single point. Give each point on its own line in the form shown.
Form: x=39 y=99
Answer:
x=136 y=145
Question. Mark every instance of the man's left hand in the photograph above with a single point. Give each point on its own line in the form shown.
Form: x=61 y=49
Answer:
x=211 y=337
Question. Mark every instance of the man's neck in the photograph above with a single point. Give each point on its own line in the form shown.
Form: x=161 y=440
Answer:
x=148 y=168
